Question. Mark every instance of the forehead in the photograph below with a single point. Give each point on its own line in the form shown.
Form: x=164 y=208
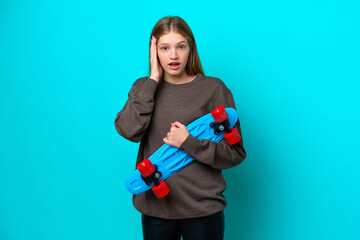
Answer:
x=171 y=38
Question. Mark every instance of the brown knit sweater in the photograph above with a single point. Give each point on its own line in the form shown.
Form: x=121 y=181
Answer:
x=196 y=190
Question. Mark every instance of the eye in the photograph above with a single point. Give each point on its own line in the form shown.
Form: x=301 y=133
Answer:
x=182 y=47
x=164 y=48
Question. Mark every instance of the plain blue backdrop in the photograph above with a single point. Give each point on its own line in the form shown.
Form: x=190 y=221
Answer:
x=66 y=68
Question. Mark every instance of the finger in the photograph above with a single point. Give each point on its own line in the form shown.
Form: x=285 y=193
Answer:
x=173 y=129
x=170 y=135
x=179 y=125
x=167 y=141
x=153 y=44
x=152 y=50
x=176 y=123
x=155 y=48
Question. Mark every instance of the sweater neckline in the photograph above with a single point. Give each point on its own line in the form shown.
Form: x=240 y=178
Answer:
x=196 y=79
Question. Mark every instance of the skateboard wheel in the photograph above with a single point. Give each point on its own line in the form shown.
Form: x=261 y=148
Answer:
x=161 y=190
x=146 y=168
x=232 y=137
x=219 y=114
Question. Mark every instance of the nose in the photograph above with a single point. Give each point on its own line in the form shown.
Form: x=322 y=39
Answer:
x=174 y=54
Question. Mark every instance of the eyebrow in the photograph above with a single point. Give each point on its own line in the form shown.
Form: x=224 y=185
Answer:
x=176 y=44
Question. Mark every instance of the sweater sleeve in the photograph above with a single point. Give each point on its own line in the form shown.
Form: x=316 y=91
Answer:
x=133 y=120
x=219 y=155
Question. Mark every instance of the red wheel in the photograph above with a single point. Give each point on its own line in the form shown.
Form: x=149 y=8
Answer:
x=232 y=137
x=146 y=168
x=162 y=190
x=219 y=114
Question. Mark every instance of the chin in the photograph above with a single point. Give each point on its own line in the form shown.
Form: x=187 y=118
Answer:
x=175 y=72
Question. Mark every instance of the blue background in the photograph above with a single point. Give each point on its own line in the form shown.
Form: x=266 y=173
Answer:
x=66 y=68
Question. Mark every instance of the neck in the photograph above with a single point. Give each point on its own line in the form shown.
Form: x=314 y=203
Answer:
x=178 y=79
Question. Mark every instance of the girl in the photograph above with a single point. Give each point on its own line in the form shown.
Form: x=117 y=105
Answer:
x=157 y=111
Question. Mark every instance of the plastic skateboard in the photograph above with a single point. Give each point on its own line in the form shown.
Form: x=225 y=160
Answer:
x=168 y=160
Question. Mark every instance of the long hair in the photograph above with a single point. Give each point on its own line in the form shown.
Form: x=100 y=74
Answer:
x=178 y=25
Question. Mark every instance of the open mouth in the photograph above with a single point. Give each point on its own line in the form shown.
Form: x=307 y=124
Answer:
x=174 y=65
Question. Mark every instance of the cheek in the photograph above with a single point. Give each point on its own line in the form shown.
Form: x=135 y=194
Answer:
x=162 y=58
x=186 y=56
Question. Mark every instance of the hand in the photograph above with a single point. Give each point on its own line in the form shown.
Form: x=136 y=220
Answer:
x=177 y=135
x=156 y=68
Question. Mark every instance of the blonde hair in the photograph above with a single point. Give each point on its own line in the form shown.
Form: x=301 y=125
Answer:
x=178 y=25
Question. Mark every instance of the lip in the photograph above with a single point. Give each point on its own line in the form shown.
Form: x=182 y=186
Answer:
x=174 y=67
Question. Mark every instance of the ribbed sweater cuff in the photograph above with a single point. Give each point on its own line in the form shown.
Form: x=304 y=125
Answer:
x=190 y=144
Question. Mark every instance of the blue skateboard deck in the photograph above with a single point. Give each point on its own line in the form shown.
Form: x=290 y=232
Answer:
x=170 y=160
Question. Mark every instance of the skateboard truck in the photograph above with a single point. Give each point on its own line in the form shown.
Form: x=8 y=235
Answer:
x=219 y=127
x=150 y=174
x=222 y=123
x=153 y=178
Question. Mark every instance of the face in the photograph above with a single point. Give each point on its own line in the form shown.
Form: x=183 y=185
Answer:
x=173 y=48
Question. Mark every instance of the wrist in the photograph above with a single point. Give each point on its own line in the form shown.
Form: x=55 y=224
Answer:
x=187 y=140
x=155 y=78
